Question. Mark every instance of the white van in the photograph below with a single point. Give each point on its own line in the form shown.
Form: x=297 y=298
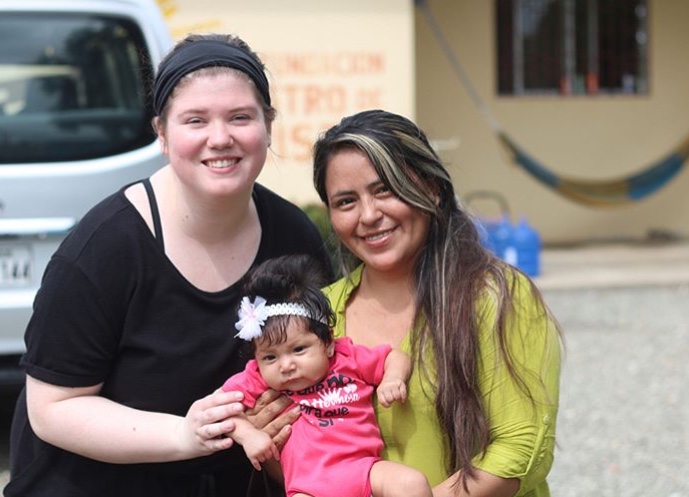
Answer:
x=74 y=127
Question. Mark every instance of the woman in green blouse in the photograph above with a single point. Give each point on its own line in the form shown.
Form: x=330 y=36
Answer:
x=483 y=398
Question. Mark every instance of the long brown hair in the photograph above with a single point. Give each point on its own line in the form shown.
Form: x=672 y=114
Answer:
x=452 y=274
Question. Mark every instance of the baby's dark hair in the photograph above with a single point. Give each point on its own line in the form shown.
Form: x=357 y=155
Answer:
x=292 y=279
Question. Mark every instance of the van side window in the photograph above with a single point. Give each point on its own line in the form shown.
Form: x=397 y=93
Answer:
x=72 y=87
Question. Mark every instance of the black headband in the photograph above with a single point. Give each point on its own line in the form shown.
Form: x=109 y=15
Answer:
x=205 y=53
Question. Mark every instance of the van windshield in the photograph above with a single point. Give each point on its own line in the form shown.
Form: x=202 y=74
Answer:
x=72 y=87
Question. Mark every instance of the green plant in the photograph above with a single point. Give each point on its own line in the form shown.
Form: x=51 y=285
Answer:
x=318 y=213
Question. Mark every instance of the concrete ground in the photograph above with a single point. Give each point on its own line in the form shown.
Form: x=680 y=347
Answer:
x=623 y=427
x=614 y=266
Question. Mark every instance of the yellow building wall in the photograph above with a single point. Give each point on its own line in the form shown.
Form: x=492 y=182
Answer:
x=327 y=59
x=590 y=137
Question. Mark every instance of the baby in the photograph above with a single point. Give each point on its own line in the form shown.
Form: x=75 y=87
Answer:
x=335 y=446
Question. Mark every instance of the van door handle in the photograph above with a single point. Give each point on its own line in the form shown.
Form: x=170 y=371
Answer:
x=41 y=226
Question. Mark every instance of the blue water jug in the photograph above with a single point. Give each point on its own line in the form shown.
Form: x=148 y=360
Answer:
x=484 y=228
x=527 y=243
x=518 y=245
x=496 y=236
x=503 y=241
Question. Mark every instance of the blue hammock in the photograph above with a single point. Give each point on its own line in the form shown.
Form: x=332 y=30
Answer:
x=604 y=192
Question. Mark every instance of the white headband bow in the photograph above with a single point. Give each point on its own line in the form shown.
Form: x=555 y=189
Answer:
x=253 y=315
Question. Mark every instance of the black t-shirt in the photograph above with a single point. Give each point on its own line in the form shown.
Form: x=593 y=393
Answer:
x=113 y=309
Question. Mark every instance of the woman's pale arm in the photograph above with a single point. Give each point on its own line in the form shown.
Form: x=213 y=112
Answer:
x=81 y=421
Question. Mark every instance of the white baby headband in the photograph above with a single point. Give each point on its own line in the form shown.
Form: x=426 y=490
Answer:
x=253 y=315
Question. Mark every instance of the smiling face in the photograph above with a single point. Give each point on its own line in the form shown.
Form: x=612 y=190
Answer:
x=386 y=233
x=215 y=133
x=301 y=361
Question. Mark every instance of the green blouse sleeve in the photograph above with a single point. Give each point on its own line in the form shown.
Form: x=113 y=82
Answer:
x=522 y=430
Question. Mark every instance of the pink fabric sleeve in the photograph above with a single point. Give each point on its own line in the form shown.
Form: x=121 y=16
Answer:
x=370 y=361
x=249 y=382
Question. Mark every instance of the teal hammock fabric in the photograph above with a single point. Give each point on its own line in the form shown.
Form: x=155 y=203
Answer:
x=603 y=192
x=594 y=193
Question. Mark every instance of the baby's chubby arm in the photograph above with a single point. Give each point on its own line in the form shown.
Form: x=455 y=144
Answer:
x=393 y=387
x=258 y=445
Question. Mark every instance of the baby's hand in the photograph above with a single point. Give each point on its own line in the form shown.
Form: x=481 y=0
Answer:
x=390 y=391
x=260 y=448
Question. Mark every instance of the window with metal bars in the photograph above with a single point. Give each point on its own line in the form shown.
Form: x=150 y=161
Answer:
x=572 y=47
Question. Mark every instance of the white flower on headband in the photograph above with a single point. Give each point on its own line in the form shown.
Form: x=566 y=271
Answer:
x=252 y=316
